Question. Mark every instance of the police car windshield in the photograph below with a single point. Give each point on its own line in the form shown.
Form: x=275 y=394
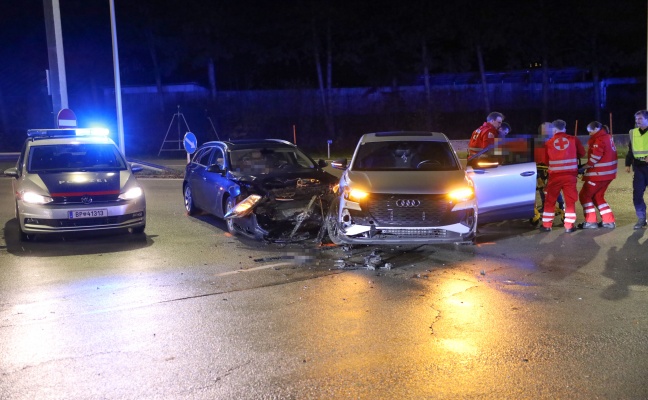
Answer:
x=74 y=157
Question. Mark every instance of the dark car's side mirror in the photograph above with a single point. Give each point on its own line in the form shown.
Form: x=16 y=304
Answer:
x=13 y=172
x=321 y=163
x=215 y=168
x=339 y=164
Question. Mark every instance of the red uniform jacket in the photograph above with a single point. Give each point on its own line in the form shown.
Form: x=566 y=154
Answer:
x=481 y=138
x=563 y=152
x=602 y=157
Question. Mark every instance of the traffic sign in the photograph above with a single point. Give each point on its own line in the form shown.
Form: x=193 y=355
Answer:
x=66 y=119
x=190 y=142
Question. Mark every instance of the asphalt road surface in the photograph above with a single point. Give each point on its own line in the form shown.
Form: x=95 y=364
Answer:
x=188 y=312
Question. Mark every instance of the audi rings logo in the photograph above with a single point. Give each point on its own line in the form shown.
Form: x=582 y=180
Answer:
x=408 y=203
x=85 y=199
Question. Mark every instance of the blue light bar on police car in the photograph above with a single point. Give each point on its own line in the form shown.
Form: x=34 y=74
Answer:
x=91 y=132
x=50 y=133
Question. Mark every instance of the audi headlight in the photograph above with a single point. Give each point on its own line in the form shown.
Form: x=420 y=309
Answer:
x=355 y=194
x=463 y=194
x=34 y=198
x=132 y=193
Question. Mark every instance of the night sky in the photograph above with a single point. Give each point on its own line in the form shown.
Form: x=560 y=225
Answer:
x=274 y=44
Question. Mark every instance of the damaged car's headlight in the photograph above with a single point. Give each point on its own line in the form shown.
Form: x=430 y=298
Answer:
x=34 y=198
x=243 y=208
x=463 y=194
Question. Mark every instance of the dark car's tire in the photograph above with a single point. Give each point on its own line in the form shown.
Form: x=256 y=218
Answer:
x=188 y=201
x=332 y=227
x=138 y=230
x=229 y=204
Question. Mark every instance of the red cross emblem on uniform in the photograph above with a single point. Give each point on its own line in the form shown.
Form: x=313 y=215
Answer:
x=561 y=143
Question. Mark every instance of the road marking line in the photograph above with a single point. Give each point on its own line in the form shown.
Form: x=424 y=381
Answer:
x=253 y=269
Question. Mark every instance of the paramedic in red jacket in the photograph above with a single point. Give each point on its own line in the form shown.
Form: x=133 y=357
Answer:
x=600 y=170
x=485 y=135
x=563 y=153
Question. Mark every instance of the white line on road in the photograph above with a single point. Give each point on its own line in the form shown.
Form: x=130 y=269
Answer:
x=253 y=269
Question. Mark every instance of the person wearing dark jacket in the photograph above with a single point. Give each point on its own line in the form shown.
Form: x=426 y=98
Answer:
x=637 y=158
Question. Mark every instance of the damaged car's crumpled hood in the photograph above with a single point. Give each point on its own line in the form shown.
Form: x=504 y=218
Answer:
x=287 y=184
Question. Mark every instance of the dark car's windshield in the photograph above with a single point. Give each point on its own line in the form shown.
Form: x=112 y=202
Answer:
x=74 y=157
x=414 y=155
x=268 y=160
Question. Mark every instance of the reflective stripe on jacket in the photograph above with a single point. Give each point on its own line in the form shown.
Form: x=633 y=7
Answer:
x=639 y=144
x=563 y=152
x=481 y=138
x=601 y=157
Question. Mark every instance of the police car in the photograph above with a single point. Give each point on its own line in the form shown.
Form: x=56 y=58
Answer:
x=69 y=180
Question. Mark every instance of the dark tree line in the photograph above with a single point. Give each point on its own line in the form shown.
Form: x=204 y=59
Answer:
x=323 y=44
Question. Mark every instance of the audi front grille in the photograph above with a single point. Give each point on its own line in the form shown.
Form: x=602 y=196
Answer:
x=408 y=210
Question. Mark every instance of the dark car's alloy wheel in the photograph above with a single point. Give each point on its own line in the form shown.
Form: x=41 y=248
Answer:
x=231 y=203
x=332 y=226
x=188 y=201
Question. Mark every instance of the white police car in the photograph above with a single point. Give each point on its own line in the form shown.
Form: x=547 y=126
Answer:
x=69 y=180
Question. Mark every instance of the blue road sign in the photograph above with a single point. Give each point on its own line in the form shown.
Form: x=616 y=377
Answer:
x=190 y=142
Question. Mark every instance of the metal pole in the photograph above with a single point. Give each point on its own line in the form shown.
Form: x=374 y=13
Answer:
x=118 y=101
x=56 y=75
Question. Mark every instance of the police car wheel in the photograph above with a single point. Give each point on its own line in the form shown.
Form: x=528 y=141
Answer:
x=138 y=230
x=26 y=237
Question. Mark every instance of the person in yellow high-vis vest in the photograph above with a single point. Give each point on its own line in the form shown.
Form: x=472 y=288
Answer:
x=637 y=158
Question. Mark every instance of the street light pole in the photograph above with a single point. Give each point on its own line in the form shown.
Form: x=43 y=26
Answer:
x=56 y=74
x=120 y=119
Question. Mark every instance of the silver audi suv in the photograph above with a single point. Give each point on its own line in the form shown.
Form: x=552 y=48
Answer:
x=410 y=187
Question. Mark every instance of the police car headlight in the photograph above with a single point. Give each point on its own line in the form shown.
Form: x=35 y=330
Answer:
x=131 y=194
x=34 y=198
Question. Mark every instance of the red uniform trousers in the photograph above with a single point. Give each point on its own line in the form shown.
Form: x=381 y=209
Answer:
x=556 y=183
x=592 y=196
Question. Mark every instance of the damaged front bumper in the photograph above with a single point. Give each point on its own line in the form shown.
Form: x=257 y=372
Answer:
x=348 y=223
x=276 y=220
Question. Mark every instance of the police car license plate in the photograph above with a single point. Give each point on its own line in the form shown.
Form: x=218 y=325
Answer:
x=94 y=213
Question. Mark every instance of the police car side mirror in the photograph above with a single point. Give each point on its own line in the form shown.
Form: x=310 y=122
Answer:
x=136 y=168
x=13 y=172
